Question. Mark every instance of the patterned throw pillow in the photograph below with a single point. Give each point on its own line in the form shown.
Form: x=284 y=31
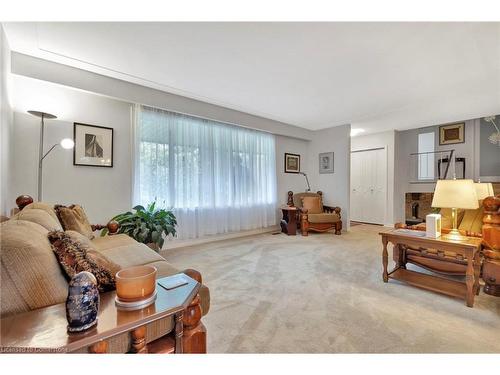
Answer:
x=75 y=257
x=74 y=218
x=87 y=245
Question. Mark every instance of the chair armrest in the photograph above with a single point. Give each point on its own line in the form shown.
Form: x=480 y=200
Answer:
x=112 y=227
x=331 y=209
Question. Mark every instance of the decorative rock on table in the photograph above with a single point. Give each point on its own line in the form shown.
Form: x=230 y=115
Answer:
x=82 y=303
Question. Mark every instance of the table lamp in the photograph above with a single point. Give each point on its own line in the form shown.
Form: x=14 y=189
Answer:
x=484 y=190
x=455 y=194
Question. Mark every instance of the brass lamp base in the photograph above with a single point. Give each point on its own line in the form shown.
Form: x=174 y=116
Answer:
x=454 y=235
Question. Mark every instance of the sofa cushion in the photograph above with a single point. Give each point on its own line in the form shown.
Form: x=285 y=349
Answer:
x=83 y=240
x=313 y=205
x=74 y=218
x=30 y=274
x=38 y=216
x=109 y=242
x=43 y=206
x=135 y=254
x=74 y=258
x=323 y=218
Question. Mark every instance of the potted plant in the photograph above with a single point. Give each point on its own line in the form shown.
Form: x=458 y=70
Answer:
x=146 y=225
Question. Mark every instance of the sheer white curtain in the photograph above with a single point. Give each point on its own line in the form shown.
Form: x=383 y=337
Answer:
x=216 y=177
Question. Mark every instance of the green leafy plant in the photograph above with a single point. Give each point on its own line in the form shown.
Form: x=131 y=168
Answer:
x=146 y=225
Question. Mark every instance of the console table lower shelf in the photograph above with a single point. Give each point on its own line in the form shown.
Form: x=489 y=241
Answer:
x=430 y=282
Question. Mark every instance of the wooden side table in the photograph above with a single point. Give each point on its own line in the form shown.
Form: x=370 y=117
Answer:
x=45 y=330
x=468 y=249
x=289 y=220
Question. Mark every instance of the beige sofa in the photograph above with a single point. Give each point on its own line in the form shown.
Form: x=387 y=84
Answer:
x=31 y=277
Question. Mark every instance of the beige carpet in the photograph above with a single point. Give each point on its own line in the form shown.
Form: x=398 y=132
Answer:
x=324 y=294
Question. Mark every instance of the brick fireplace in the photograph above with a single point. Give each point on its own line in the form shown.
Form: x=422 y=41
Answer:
x=419 y=203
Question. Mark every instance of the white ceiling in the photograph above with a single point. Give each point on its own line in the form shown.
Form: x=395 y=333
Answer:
x=376 y=76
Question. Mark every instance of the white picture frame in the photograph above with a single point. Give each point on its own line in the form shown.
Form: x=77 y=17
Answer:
x=326 y=162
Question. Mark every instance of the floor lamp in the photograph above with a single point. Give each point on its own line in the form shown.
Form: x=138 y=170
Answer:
x=66 y=143
x=307 y=181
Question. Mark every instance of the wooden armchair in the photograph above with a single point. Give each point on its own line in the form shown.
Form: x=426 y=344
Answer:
x=313 y=216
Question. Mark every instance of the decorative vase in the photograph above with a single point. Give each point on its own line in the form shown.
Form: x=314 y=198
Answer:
x=82 y=303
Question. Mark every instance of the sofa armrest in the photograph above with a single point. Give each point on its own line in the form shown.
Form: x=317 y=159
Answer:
x=112 y=227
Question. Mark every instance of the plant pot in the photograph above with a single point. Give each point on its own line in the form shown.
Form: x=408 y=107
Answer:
x=154 y=246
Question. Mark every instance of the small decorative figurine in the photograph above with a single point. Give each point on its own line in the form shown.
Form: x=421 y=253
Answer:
x=82 y=303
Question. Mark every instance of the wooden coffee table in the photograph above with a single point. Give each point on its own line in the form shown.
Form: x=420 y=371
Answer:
x=45 y=330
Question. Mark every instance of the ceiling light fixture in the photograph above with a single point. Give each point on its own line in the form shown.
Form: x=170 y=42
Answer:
x=495 y=136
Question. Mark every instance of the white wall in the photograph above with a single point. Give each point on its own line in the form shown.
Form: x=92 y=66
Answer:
x=407 y=143
x=387 y=141
x=335 y=186
x=106 y=191
x=103 y=192
x=6 y=121
x=290 y=181
x=130 y=92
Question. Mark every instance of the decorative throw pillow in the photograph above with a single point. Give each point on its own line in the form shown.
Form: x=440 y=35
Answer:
x=74 y=218
x=312 y=204
x=39 y=217
x=74 y=258
x=92 y=252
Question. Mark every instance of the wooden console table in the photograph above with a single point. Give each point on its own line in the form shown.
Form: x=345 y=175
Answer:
x=45 y=330
x=468 y=249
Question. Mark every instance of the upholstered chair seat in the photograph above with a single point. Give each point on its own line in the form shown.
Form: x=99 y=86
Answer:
x=323 y=218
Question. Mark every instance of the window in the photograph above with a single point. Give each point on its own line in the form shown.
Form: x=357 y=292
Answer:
x=217 y=177
x=426 y=156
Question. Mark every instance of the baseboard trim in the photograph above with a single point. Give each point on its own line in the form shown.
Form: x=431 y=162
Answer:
x=175 y=244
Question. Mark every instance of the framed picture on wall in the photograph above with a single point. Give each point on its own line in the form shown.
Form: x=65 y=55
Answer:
x=292 y=163
x=326 y=162
x=93 y=145
x=451 y=134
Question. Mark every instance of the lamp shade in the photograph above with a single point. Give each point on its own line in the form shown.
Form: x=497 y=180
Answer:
x=484 y=189
x=455 y=194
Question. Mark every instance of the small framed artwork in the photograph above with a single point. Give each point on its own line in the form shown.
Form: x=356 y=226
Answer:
x=292 y=163
x=451 y=134
x=93 y=145
x=326 y=162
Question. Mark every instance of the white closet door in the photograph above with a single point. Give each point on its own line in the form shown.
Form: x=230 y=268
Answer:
x=356 y=186
x=368 y=186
